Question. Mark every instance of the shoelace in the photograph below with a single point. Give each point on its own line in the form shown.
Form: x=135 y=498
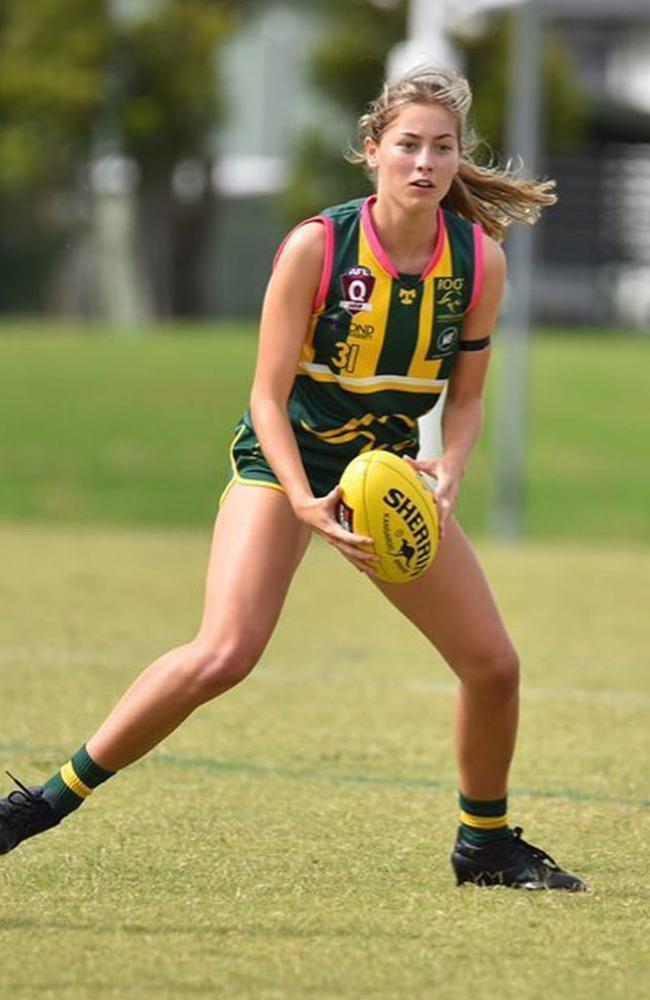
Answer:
x=534 y=852
x=21 y=798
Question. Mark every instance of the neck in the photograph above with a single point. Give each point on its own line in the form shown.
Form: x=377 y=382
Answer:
x=409 y=238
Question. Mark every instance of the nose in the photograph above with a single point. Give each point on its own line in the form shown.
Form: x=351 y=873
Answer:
x=425 y=161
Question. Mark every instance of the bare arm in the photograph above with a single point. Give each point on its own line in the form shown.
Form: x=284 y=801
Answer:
x=463 y=414
x=285 y=316
x=285 y=319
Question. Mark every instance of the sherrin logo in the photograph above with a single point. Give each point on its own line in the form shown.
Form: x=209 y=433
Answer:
x=393 y=506
x=357 y=284
x=420 y=549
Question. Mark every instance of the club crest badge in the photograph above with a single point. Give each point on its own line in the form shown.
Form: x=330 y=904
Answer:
x=357 y=284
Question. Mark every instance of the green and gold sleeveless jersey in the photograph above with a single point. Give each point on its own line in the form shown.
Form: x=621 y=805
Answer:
x=379 y=348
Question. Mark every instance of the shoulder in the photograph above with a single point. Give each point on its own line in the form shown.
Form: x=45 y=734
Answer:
x=346 y=210
x=493 y=252
x=494 y=261
x=482 y=315
x=302 y=261
x=311 y=238
x=304 y=245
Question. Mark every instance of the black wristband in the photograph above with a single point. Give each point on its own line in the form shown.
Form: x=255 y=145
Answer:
x=475 y=345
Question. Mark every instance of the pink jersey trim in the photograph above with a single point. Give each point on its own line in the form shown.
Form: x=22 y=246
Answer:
x=438 y=250
x=328 y=261
x=478 y=266
x=373 y=239
x=380 y=253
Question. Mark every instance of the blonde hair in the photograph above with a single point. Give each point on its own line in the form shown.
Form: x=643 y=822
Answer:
x=491 y=195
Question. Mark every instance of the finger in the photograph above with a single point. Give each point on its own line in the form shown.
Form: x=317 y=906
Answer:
x=340 y=538
x=334 y=495
x=415 y=463
x=421 y=464
x=358 y=556
x=349 y=537
x=359 y=559
x=361 y=567
x=444 y=509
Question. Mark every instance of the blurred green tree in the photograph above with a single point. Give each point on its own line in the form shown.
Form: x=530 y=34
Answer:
x=81 y=77
x=166 y=106
x=348 y=66
x=51 y=77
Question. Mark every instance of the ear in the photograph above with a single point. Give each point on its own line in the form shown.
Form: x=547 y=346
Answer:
x=371 y=148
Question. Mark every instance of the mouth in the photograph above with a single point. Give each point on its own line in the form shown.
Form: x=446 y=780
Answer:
x=426 y=185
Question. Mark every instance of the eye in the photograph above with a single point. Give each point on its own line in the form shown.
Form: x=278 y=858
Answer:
x=407 y=144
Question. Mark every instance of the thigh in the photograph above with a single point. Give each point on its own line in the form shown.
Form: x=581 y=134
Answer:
x=257 y=546
x=453 y=606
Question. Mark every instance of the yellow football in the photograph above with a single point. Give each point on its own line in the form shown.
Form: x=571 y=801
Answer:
x=387 y=500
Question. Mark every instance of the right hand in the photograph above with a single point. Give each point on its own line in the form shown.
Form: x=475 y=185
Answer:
x=320 y=514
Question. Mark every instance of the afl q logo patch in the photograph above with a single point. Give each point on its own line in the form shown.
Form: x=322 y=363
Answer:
x=357 y=284
x=447 y=338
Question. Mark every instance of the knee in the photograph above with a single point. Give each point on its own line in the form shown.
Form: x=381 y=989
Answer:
x=494 y=672
x=215 y=667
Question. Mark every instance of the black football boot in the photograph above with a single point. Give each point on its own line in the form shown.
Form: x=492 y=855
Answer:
x=513 y=862
x=24 y=813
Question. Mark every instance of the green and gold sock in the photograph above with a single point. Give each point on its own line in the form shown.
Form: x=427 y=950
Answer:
x=72 y=784
x=482 y=821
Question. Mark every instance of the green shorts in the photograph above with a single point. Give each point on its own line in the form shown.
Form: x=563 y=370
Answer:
x=323 y=462
x=324 y=467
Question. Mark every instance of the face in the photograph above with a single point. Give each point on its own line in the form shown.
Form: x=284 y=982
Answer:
x=417 y=156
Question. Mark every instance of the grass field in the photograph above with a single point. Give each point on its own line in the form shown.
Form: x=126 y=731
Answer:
x=291 y=840
x=109 y=429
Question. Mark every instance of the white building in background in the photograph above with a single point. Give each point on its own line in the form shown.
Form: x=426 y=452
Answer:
x=264 y=72
x=595 y=248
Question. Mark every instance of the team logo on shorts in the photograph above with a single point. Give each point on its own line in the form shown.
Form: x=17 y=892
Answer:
x=357 y=284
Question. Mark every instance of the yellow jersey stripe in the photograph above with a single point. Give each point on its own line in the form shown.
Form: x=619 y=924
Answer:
x=370 y=350
x=74 y=782
x=372 y=383
x=420 y=367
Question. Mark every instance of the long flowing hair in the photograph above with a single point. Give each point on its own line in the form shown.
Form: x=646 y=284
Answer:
x=493 y=195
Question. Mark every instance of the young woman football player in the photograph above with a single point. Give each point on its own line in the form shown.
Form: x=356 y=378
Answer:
x=373 y=308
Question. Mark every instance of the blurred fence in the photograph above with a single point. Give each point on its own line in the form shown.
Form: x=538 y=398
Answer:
x=595 y=245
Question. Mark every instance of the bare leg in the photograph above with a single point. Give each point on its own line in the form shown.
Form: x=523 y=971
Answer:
x=257 y=546
x=452 y=605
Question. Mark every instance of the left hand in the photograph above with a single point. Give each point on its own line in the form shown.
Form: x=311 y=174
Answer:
x=447 y=475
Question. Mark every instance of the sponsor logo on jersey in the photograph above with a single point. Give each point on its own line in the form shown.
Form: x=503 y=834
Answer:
x=447 y=338
x=361 y=331
x=407 y=296
x=449 y=295
x=357 y=284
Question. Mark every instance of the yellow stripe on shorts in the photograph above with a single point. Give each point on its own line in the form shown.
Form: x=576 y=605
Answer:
x=483 y=822
x=74 y=783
